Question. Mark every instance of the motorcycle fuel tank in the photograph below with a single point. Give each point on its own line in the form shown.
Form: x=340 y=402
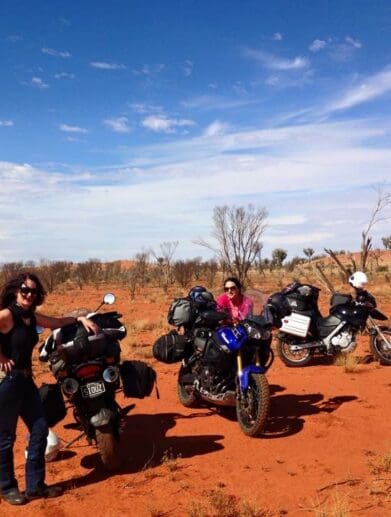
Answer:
x=231 y=339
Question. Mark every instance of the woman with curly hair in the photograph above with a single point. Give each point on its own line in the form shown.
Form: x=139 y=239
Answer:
x=19 y=395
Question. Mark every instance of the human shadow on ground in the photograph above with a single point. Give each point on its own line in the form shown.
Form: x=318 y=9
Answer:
x=287 y=411
x=144 y=444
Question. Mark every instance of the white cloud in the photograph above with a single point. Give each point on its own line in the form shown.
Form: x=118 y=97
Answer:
x=118 y=125
x=149 y=70
x=64 y=75
x=72 y=129
x=56 y=53
x=187 y=68
x=273 y=62
x=215 y=129
x=37 y=82
x=6 y=123
x=103 y=65
x=164 y=185
x=287 y=220
x=317 y=44
x=163 y=124
x=355 y=43
x=277 y=36
x=143 y=108
x=370 y=88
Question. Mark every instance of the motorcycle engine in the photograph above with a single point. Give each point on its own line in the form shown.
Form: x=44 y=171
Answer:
x=207 y=378
x=345 y=340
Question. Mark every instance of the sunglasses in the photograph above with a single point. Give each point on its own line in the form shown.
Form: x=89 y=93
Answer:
x=230 y=288
x=26 y=290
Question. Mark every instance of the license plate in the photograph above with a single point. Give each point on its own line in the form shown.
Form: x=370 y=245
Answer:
x=92 y=389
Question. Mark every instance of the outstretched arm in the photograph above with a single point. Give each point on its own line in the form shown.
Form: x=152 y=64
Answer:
x=55 y=323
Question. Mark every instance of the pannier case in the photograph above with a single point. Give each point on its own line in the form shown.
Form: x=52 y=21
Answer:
x=296 y=324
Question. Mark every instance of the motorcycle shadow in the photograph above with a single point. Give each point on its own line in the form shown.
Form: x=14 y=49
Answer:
x=144 y=445
x=287 y=411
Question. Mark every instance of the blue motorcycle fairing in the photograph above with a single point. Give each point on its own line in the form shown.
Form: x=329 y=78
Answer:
x=247 y=370
x=231 y=339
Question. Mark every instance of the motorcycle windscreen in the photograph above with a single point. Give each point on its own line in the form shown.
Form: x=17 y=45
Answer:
x=258 y=298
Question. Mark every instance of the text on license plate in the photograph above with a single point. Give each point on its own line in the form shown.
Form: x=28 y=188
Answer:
x=92 y=389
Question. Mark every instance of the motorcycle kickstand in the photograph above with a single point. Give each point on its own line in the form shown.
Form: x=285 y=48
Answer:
x=71 y=442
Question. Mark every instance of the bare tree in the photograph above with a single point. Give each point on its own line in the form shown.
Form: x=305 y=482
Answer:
x=378 y=214
x=387 y=242
x=309 y=253
x=164 y=260
x=237 y=232
x=278 y=256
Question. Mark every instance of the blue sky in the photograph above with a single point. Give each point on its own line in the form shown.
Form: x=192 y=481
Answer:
x=123 y=124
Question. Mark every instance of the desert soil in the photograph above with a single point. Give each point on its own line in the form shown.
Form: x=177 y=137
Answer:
x=324 y=447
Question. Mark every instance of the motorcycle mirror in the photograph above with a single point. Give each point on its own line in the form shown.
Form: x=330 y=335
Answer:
x=109 y=298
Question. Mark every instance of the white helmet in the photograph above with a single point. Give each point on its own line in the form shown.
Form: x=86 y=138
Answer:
x=358 y=279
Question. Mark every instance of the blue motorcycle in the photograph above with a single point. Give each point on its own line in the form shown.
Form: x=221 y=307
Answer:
x=223 y=365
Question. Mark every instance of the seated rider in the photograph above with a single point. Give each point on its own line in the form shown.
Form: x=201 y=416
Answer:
x=233 y=302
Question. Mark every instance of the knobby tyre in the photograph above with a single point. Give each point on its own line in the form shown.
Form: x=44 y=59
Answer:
x=290 y=356
x=380 y=348
x=109 y=448
x=185 y=391
x=253 y=407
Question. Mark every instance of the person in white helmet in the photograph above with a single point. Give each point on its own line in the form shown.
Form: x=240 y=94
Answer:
x=358 y=281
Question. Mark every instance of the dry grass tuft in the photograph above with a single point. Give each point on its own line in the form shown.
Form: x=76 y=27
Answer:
x=381 y=464
x=348 y=362
x=339 y=506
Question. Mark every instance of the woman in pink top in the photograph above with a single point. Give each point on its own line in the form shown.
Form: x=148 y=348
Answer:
x=233 y=301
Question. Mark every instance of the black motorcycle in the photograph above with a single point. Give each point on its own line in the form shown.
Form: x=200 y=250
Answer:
x=223 y=365
x=305 y=333
x=87 y=368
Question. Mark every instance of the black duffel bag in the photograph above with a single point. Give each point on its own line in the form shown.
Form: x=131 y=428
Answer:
x=53 y=403
x=138 y=379
x=170 y=348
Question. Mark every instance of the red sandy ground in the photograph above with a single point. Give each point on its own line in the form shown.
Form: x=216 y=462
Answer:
x=325 y=429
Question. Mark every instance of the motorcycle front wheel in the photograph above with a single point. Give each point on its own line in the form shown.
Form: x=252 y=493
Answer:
x=109 y=448
x=291 y=355
x=380 y=349
x=252 y=408
x=186 y=395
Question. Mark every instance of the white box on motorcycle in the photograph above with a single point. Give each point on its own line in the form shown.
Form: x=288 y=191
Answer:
x=296 y=324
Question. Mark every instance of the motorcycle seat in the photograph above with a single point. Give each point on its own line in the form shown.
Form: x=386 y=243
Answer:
x=328 y=321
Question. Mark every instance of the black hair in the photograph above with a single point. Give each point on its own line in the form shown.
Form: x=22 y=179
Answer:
x=235 y=281
x=10 y=289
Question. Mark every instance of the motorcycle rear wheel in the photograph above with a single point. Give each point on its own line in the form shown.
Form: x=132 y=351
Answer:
x=292 y=357
x=109 y=448
x=252 y=408
x=380 y=349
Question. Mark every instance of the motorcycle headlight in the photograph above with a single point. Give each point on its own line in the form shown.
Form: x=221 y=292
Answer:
x=111 y=374
x=69 y=386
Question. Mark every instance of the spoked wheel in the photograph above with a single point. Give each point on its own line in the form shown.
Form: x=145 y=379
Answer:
x=187 y=396
x=293 y=355
x=380 y=349
x=252 y=408
x=109 y=448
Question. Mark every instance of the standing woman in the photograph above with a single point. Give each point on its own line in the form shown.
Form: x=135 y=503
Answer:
x=233 y=301
x=18 y=393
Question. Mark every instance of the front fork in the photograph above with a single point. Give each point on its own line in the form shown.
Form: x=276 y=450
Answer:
x=243 y=373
